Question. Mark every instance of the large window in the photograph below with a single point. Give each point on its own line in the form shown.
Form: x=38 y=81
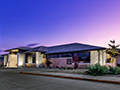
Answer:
x=53 y=56
x=34 y=58
x=60 y=55
x=70 y=54
x=82 y=57
x=26 y=61
x=30 y=57
x=66 y=55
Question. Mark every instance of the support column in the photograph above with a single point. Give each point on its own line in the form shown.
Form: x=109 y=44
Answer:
x=5 y=60
x=103 y=57
x=12 y=60
x=20 y=59
x=99 y=56
x=8 y=60
x=93 y=57
x=39 y=58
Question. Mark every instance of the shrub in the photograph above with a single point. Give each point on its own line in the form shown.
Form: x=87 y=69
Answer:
x=75 y=65
x=69 y=68
x=2 y=66
x=50 y=67
x=64 y=68
x=97 y=69
x=113 y=70
x=60 y=67
x=57 y=67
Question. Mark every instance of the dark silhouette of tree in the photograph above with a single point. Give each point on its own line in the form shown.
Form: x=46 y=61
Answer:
x=75 y=58
x=113 y=50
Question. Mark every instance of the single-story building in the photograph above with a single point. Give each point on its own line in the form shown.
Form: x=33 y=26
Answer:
x=60 y=55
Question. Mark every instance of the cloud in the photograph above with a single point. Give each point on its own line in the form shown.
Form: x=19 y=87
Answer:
x=33 y=44
x=1 y=50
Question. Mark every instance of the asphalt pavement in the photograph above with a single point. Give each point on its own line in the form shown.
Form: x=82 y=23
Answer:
x=11 y=79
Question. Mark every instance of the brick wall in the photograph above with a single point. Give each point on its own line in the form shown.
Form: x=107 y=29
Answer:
x=1 y=62
x=63 y=62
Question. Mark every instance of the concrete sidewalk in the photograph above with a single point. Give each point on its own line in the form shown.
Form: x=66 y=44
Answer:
x=107 y=79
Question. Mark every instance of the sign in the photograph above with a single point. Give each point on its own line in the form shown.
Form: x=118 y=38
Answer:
x=69 y=61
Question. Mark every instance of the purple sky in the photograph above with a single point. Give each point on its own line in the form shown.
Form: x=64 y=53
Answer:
x=54 y=22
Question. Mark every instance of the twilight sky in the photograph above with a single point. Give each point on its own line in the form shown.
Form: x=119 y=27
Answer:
x=55 y=22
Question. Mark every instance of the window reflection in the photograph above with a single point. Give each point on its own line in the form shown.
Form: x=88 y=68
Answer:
x=83 y=57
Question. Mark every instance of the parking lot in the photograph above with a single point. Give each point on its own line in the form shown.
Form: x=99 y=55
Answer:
x=11 y=79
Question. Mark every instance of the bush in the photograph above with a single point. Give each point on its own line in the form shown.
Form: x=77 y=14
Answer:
x=57 y=67
x=50 y=67
x=69 y=68
x=113 y=70
x=75 y=65
x=2 y=66
x=61 y=67
x=97 y=69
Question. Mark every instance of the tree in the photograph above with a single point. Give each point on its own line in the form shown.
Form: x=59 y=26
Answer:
x=75 y=58
x=113 y=50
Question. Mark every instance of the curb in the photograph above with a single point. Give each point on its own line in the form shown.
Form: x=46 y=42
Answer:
x=77 y=78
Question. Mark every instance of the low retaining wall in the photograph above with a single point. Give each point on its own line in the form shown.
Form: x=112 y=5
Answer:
x=63 y=62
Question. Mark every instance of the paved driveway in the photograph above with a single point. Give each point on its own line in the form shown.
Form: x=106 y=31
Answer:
x=13 y=80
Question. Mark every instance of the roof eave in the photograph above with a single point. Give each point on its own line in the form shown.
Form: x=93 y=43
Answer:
x=34 y=51
x=75 y=51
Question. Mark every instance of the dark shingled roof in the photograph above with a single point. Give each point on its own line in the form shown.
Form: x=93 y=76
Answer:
x=73 y=47
x=4 y=54
x=20 y=48
x=1 y=58
x=39 y=49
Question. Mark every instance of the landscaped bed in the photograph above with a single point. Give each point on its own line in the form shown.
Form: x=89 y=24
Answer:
x=70 y=71
x=95 y=70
